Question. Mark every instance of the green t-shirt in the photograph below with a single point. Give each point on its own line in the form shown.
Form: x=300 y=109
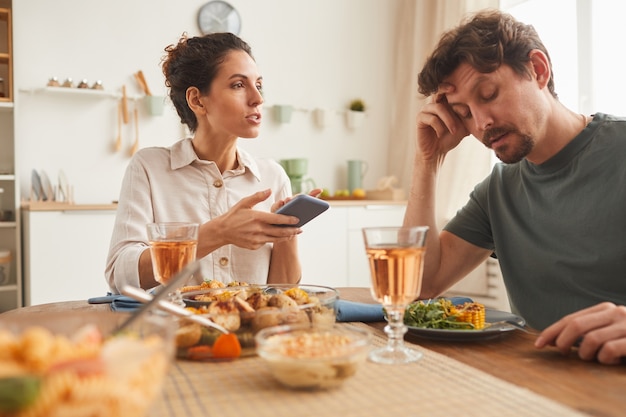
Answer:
x=558 y=229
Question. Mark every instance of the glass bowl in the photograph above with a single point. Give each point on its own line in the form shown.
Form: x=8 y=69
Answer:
x=61 y=363
x=313 y=357
x=247 y=309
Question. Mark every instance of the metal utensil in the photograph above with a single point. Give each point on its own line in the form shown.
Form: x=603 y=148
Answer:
x=140 y=295
x=508 y=325
x=177 y=280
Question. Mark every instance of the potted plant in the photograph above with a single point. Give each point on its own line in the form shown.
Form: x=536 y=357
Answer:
x=356 y=113
x=357 y=105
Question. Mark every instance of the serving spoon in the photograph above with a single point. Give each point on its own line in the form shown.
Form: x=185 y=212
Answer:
x=177 y=280
x=142 y=296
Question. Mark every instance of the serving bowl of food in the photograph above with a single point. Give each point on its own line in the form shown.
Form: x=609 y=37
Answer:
x=58 y=363
x=312 y=357
x=244 y=310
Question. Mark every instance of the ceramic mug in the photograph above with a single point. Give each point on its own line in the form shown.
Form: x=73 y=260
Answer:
x=356 y=171
x=296 y=167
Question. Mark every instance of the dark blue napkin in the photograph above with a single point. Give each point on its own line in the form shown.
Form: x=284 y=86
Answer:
x=353 y=311
x=363 y=312
x=118 y=302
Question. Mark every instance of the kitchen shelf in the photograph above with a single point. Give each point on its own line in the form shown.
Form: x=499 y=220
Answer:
x=62 y=206
x=10 y=231
x=76 y=92
x=6 y=54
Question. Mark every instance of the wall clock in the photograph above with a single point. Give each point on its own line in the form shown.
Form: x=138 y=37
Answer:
x=218 y=16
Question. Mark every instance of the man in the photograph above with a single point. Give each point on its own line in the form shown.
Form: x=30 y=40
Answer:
x=553 y=212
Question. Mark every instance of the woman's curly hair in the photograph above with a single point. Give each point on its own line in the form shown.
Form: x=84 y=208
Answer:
x=194 y=62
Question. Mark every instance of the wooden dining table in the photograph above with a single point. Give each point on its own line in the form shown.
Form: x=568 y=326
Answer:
x=508 y=365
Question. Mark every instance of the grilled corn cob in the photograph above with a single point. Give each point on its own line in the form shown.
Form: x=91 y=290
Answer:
x=473 y=313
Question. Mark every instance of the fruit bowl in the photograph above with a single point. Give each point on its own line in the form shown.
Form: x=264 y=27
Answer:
x=312 y=357
x=58 y=363
x=244 y=311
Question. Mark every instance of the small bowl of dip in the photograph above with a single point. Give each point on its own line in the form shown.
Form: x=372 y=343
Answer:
x=313 y=357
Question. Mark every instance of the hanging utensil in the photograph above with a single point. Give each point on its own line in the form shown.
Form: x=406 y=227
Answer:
x=118 y=140
x=136 y=144
x=124 y=105
x=144 y=84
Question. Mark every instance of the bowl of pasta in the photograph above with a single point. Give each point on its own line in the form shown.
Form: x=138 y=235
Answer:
x=245 y=309
x=63 y=363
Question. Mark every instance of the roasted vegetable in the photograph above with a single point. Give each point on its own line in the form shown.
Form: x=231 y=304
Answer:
x=227 y=347
x=473 y=313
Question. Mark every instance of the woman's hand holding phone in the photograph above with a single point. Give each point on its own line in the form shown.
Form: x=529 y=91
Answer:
x=304 y=207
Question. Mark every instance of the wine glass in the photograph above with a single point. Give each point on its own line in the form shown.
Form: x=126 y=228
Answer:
x=172 y=246
x=396 y=259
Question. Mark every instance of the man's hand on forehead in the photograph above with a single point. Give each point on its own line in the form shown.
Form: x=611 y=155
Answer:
x=440 y=95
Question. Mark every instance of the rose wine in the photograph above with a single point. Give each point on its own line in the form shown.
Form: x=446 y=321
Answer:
x=170 y=257
x=396 y=273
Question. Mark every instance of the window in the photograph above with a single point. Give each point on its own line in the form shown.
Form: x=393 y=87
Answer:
x=584 y=40
x=556 y=23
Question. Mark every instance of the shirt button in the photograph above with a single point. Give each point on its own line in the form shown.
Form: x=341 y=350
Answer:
x=224 y=261
x=218 y=183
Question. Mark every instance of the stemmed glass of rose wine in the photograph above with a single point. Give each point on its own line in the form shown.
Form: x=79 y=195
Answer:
x=172 y=247
x=396 y=260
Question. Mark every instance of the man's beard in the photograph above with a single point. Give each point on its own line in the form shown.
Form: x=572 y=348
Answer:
x=524 y=146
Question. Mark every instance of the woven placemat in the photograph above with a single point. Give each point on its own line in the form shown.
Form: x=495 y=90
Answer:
x=434 y=386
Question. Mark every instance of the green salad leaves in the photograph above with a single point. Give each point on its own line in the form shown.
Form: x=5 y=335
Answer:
x=434 y=314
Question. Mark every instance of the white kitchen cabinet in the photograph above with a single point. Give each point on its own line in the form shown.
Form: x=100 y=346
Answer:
x=322 y=247
x=65 y=253
x=331 y=246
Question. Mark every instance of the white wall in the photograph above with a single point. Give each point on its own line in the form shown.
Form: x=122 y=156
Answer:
x=320 y=53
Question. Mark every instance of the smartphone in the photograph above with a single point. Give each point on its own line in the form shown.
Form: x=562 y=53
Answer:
x=304 y=207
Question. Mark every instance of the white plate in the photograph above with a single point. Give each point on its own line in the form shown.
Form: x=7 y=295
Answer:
x=35 y=183
x=46 y=186
x=63 y=187
x=491 y=316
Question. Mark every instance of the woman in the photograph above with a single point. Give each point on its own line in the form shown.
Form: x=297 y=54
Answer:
x=216 y=88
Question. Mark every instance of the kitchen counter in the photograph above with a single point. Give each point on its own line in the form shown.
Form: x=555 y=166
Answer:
x=364 y=202
x=59 y=206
